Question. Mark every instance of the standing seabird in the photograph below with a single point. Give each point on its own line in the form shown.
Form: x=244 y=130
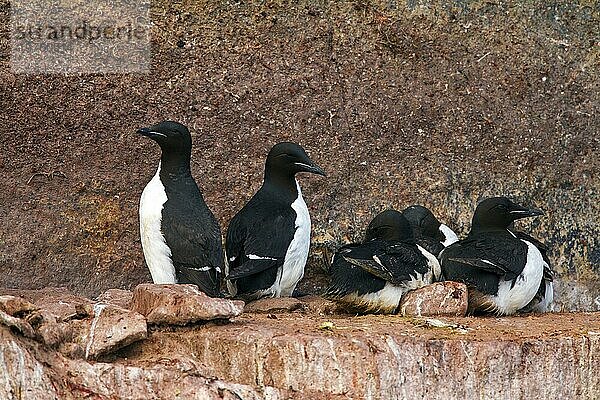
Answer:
x=268 y=239
x=181 y=238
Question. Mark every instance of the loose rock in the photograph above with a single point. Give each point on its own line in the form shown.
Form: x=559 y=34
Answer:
x=21 y=326
x=318 y=305
x=440 y=298
x=181 y=304
x=66 y=307
x=111 y=328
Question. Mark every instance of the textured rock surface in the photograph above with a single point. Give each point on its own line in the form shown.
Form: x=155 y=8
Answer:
x=117 y=297
x=66 y=307
x=29 y=371
x=401 y=102
x=305 y=355
x=13 y=305
x=73 y=325
x=111 y=328
x=318 y=305
x=441 y=298
x=391 y=357
x=279 y=304
x=181 y=304
x=23 y=327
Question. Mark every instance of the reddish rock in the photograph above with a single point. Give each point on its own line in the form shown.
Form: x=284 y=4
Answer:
x=49 y=329
x=16 y=323
x=111 y=328
x=440 y=298
x=274 y=305
x=16 y=306
x=29 y=370
x=117 y=297
x=66 y=307
x=368 y=357
x=36 y=294
x=181 y=304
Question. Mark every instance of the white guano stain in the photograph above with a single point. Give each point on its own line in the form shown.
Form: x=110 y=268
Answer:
x=97 y=311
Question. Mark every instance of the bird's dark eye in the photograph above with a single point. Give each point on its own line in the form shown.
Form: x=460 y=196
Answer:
x=502 y=207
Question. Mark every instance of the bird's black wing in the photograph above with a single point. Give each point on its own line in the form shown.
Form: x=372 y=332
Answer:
x=347 y=277
x=501 y=254
x=393 y=262
x=257 y=241
x=434 y=246
x=194 y=237
x=483 y=260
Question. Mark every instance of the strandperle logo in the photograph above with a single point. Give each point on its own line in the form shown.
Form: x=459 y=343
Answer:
x=74 y=37
x=83 y=30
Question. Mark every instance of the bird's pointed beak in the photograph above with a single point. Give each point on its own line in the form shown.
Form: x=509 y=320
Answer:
x=144 y=131
x=150 y=132
x=310 y=167
x=522 y=212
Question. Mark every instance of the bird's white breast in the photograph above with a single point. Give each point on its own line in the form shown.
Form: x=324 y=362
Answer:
x=297 y=252
x=154 y=245
x=508 y=300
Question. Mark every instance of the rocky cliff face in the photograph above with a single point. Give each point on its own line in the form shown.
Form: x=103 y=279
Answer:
x=402 y=102
x=284 y=349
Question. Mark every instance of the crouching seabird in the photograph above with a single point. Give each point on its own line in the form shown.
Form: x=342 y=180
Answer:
x=268 y=240
x=374 y=275
x=181 y=238
x=502 y=271
x=429 y=233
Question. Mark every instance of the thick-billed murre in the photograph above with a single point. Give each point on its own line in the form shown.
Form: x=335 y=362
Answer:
x=502 y=271
x=374 y=275
x=181 y=238
x=268 y=239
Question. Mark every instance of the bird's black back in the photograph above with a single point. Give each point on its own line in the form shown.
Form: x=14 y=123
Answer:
x=483 y=259
x=354 y=268
x=192 y=233
x=264 y=227
x=432 y=245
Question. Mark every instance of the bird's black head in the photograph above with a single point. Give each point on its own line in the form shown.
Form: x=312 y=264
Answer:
x=286 y=159
x=389 y=225
x=499 y=213
x=422 y=221
x=172 y=137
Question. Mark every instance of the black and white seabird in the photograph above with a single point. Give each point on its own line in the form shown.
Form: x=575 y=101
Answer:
x=181 y=238
x=268 y=239
x=502 y=271
x=372 y=277
x=430 y=233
